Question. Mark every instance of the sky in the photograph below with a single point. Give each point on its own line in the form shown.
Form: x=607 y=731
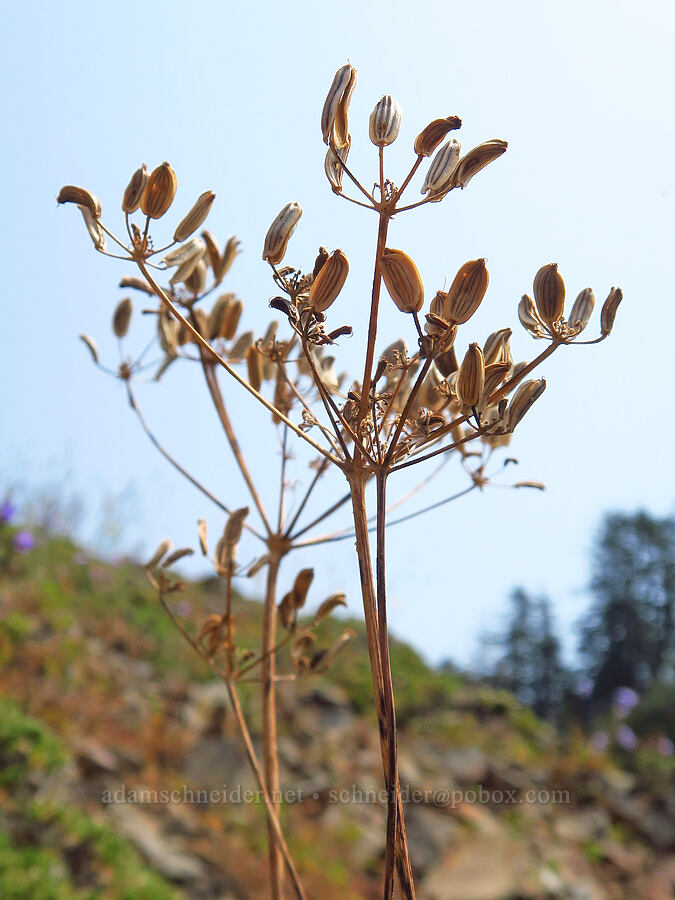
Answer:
x=232 y=96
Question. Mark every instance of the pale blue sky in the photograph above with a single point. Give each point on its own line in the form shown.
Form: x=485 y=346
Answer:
x=231 y=96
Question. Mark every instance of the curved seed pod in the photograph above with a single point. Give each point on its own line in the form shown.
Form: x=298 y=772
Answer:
x=176 y=555
x=93 y=226
x=201 y=324
x=80 y=196
x=609 y=308
x=385 y=122
x=431 y=136
x=439 y=178
x=191 y=222
x=477 y=159
x=301 y=586
x=332 y=166
x=138 y=284
x=131 y=199
x=549 y=293
x=582 y=309
x=301 y=645
x=167 y=331
x=91 y=346
x=231 y=320
x=203 y=536
x=161 y=551
x=226 y=549
x=188 y=266
x=471 y=377
x=348 y=635
x=320 y=261
x=217 y=315
x=529 y=318
x=241 y=345
x=495 y=373
x=122 y=317
x=229 y=253
x=522 y=400
x=334 y=126
x=466 y=292
x=254 y=367
x=159 y=191
x=446 y=362
x=496 y=347
x=195 y=248
x=196 y=280
x=279 y=233
x=403 y=280
x=329 y=281
x=212 y=252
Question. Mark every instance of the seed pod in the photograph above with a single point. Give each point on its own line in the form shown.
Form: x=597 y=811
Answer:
x=229 y=253
x=495 y=373
x=477 y=159
x=231 y=320
x=131 y=199
x=93 y=226
x=329 y=281
x=334 y=125
x=280 y=231
x=582 y=309
x=177 y=555
x=471 y=377
x=83 y=198
x=332 y=165
x=254 y=366
x=431 y=136
x=138 y=284
x=122 y=317
x=226 y=550
x=217 y=315
x=195 y=217
x=320 y=261
x=301 y=586
x=203 y=540
x=185 y=270
x=466 y=292
x=496 y=347
x=167 y=331
x=403 y=280
x=385 y=122
x=212 y=252
x=161 y=551
x=609 y=308
x=549 y=293
x=439 y=178
x=159 y=191
x=91 y=346
x=241 y=345
x=529 y=319
x=287 y=612
x=347 y=635
x=300 y=645
x=523 y=399
x=196 y=248
x=196 y=280
x=446 y=362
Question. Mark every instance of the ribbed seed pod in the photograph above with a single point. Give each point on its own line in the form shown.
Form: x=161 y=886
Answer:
x=496 y=347
x=446 y=362
x=334 y=116
x=195 y=247
x=477 y=159
x=83 y=198
x=582 y=309
x=201 y=324
x=549 y=293
x=332 y=166
x=254 y=367
x=231 y=320
x=328 y=605
x=431 y=136
x=217 y=315
x=439 y=178
x=229 y=253
x=226 y=549
x=466 y=292
x=494 y=375
x=191 y=222
x=471 y=377
x=159 y=553
x=241 y=345
x=329 y=281
x=122 y=317
x=385 y=122
x=167 y=331
x=529 y=319
x=301 y=587
x=187 y=262
x=212 y=252
x=523 y=399
x=279 y=233
x=609 y=308
x=159 y=191
x=403 y=280
x=196 y=280
x=131 y=199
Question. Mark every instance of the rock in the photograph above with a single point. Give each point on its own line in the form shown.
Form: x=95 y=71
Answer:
x=162 y=854
x=582 y=825
x=659 y=883
x=466 y=764
x=430 y=836
x=480 y=869
x=95 y=759
x=218 y=764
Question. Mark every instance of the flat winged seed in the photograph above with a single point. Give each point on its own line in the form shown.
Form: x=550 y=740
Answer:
x=91 y=346
x=549 y=293
x=329 y=281
x=609 y=308
x=138 y=284
x=122 y=317
x=403 y=280
x=96 y=233
x=385 y=122
x=203 y=539
x=523 y=399
x=336 y=106
x=333 y=168
x=477 y=159
x=496 y=347
x=582 y=309
x=466 y=292
x=280 y=231
x=131 y=199
x=229 y=253
x=161 y=551
x=81 y=197
x=439 y=178
x=254 y=367
x=471 y=377
x=196 y=217
x=159 y=191
x=431 y=136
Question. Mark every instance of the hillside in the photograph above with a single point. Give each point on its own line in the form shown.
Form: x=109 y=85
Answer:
x=101 y=698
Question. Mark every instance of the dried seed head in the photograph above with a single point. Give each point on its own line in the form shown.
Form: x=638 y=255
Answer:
x=231 y=320
x=439 y=178
x=549 y=293
x=477 y=159
x=329 y=281
x=254 y=366
x=229 y=253
x=334 y=116
x=385 y=122
x=161 y=551
x=203 y=539
x=159 y=191
x=83 y=198
x=466 y=292
x=93 y=349
x=195 y=217
x=471 y=377
x=403 y=280
x=122 y=317
x=431 y=136
x=582 y=309
x=196 y=280
x=333 y=165
x=131 y=199
x=609 y=308
x=523 y=399
x=496 y=347
x=280 y=231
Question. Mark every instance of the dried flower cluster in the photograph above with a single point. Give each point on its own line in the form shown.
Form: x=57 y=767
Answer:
x=406 y=407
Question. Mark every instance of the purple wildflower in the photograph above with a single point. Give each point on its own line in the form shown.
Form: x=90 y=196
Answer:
x=600 y=741
x=23 y=541
x=626 y=737
x=625 y=699
x=665 y=746
x=7 y=510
